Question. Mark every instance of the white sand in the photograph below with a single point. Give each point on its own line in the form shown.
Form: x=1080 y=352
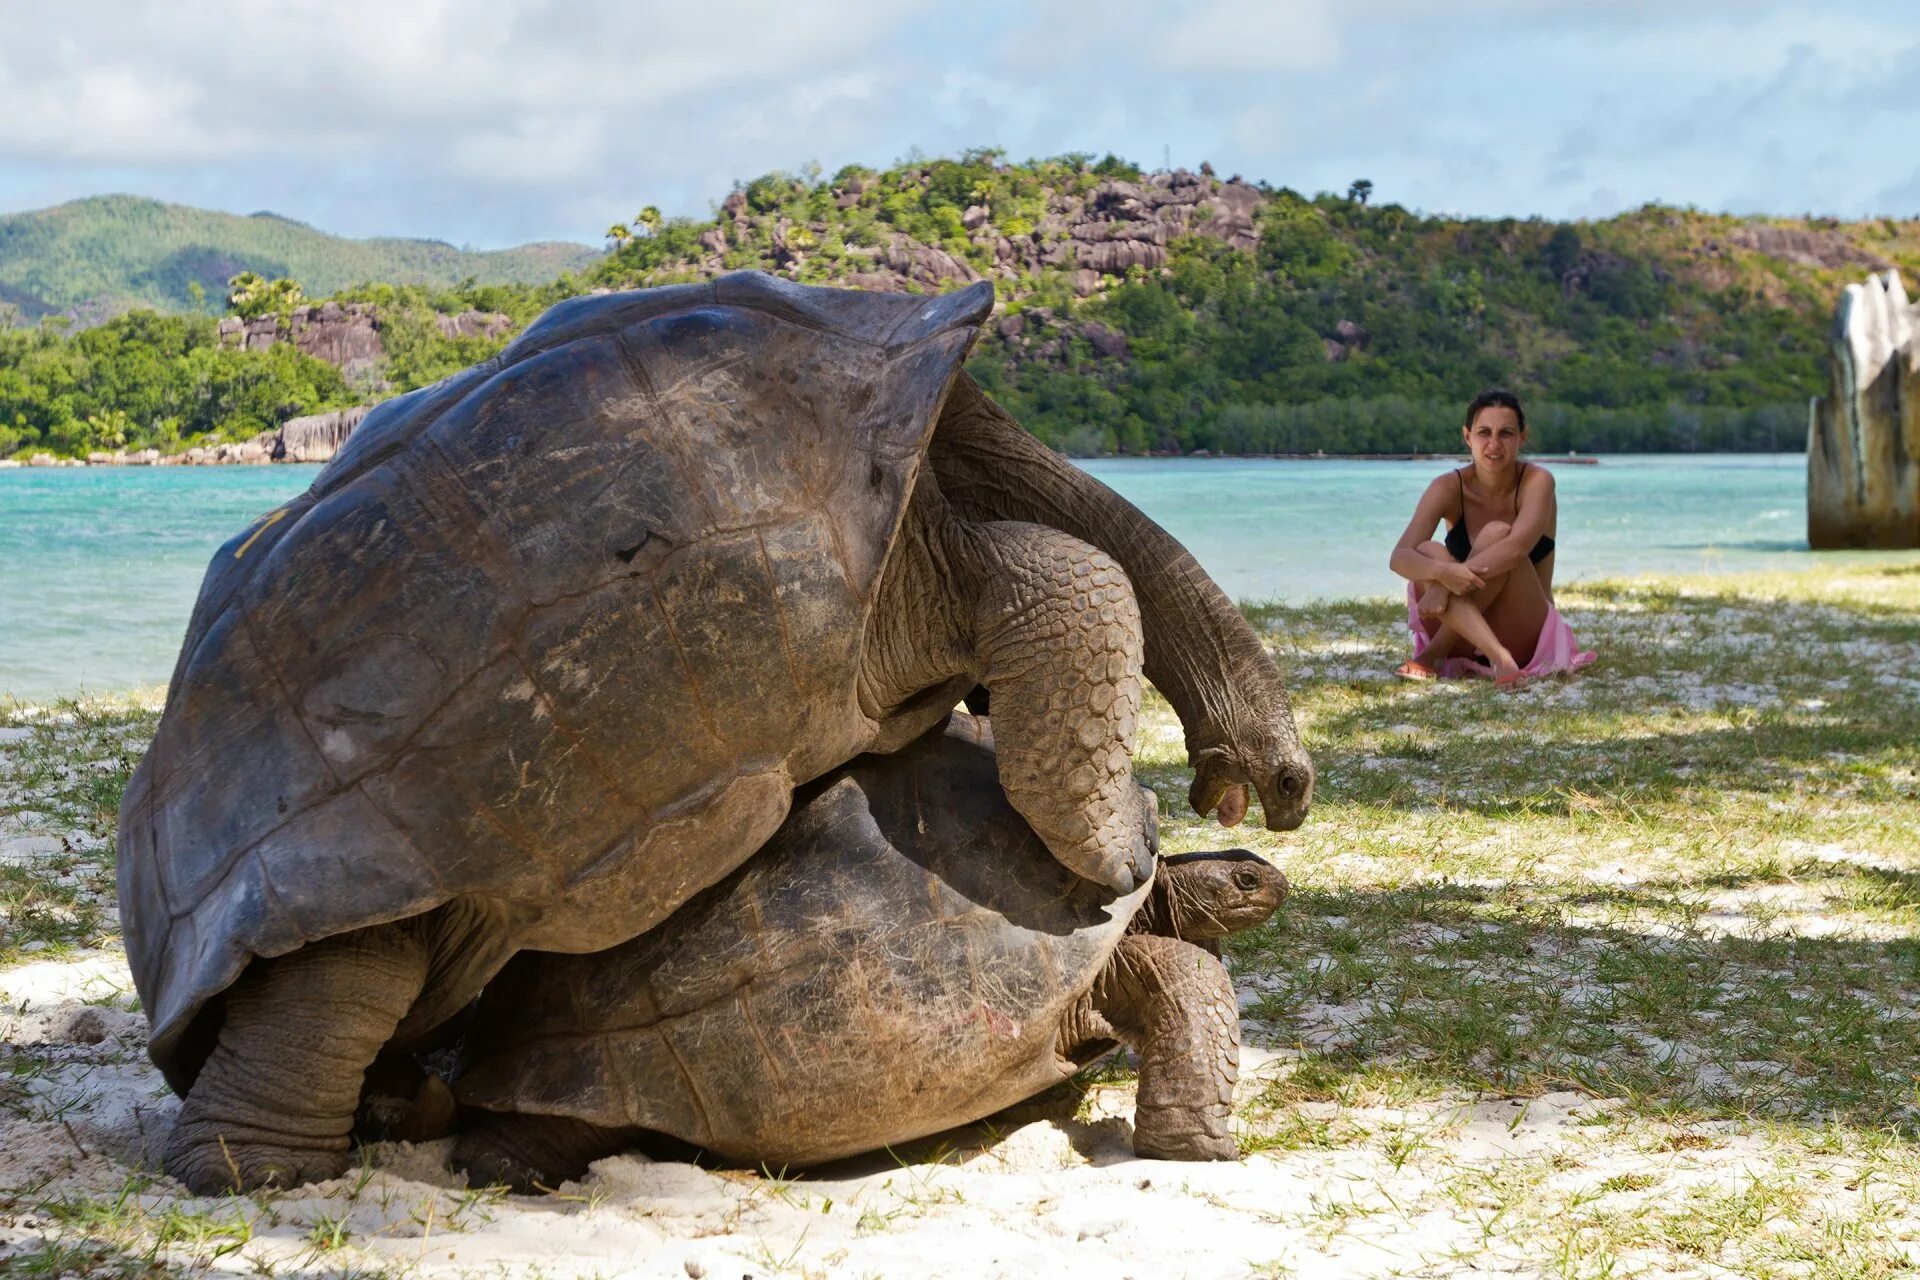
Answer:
x=1054 y=1197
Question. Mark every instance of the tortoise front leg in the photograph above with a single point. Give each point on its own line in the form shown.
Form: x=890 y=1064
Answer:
x=275 y=1101
x=1056 y=632
x=1173 y=1004
x=529 y=1153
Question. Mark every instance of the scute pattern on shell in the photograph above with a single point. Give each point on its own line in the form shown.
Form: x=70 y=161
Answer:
x=558 y=635
x=905 y=937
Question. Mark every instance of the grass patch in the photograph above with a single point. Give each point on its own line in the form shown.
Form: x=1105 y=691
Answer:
x=1687 y=879
x=1616 y=975
x=63 y=770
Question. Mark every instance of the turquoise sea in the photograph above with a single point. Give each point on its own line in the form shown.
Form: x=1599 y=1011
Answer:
x=99 y=566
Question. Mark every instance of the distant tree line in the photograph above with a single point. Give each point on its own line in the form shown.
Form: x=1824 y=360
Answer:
x=1354 y=326
x=149 y=381
x=144 y=380
x=1392 y=424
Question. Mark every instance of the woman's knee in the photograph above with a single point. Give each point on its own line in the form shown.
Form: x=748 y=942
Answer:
x=1493 y=531
x=1434 y=550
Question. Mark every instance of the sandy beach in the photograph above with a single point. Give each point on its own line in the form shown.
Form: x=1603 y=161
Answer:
x=1634 y=990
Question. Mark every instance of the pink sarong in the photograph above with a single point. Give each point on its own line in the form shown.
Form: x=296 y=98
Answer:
x=1555 y=650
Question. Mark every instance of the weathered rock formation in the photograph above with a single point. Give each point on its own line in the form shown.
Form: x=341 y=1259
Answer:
x=347 y=334
x=1813 y=248
x=315 y=438
x=1097 y=236
x=1863 y=449
x=255 y=452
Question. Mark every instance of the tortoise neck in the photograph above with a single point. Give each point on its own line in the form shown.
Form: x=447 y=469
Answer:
x=917 y=637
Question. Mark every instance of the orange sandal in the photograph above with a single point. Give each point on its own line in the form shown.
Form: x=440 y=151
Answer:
x=1418 y=671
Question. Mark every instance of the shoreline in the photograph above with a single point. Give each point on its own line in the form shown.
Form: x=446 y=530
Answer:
x=250 y=454
x=151 y=691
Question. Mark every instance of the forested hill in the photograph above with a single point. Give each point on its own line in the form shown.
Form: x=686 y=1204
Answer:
x=102 y=255
x=1139 y=312
x=1163 y=311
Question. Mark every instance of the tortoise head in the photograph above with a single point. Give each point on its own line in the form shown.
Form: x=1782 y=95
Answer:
x=1203 y=897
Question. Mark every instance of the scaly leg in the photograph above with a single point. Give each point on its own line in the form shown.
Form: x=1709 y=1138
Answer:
x=275 y=1101
x=1173 y=1004
x=1057 y=634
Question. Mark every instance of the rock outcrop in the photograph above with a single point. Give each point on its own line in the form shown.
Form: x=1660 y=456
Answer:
x=1863 y=447
x=347 y=334
x=316 y=437
x=255 y=452
x=1095 y=236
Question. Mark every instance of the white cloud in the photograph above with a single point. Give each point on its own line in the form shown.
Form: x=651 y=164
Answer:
x=497 y=120
x=1251 y=35
x=528 y=83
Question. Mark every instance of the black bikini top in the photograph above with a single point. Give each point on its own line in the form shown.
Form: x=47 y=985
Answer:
x=1459 y=545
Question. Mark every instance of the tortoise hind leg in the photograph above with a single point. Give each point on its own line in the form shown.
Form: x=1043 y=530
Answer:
x=529 y=1153
x=1173 y=1004
x=275 y=1101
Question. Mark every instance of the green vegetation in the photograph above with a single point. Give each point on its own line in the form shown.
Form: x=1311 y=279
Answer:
x=1636 y=991
x=1688 y=891
x=1659 y=329
x=144 y=380
x=109 y=253
x=1341 y=325
x=149 y=381
x=1605 y=323
x=417 y=353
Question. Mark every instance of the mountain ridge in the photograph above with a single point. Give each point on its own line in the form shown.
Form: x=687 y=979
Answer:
x=101 y=255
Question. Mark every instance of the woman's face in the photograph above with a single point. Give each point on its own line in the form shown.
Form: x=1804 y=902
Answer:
x=1494 y=437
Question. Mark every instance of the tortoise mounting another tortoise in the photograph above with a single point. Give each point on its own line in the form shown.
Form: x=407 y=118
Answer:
x=546 y=648
x=900 y=958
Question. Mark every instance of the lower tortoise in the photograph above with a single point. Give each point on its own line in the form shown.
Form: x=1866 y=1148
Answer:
x=901 y=958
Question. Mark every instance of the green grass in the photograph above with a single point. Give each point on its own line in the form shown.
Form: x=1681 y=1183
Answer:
x=1618 y=975
x=62 y=772
x=1685 y=879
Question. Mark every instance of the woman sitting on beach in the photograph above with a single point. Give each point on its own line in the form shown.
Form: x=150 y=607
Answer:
x=1481 y=601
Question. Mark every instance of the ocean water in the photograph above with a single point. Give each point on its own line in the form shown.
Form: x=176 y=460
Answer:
x=99 y=566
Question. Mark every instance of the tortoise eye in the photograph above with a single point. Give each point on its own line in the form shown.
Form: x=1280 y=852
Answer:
x=1246 y=880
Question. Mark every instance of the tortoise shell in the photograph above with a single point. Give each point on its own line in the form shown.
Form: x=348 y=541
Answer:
x=556 y=638
x=897 y=960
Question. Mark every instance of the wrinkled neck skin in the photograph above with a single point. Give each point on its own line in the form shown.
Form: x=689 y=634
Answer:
x=1155 y=914
x=1201 y=653
x=919 y=656
x=1176 y=908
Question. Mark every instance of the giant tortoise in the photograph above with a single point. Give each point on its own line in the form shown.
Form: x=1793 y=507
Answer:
x=901 y=957
x=545 y=650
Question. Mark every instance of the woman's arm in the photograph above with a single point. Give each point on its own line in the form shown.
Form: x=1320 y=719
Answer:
x=1537 y=508
x=1415 y=567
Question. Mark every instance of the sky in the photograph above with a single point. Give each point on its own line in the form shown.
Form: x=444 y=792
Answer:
x=494 y=122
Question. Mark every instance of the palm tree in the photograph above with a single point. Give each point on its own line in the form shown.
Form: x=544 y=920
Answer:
x=621 y=235
x=649 y=218
x=248 y=295
x=244 y=292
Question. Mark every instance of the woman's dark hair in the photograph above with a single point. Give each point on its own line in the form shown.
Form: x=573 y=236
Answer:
x=1495 y=398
